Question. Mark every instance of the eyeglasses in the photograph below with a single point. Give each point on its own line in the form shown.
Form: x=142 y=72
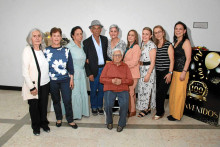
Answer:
x=117 y=55
x=155 y=33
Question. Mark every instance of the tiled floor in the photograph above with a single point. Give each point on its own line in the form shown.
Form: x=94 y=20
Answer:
x=15 y=130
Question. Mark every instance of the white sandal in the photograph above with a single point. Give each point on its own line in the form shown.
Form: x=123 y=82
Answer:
x=156 y=117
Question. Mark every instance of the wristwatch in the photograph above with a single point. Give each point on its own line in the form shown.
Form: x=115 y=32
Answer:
x=170 y=72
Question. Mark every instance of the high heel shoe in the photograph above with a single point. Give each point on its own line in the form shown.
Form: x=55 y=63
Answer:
x=144 y=113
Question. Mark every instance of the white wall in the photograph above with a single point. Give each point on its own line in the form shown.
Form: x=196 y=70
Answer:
x=19 y=16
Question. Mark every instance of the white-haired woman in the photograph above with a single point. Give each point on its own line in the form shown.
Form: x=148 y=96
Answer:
x=116 y=77
x=115 y=42
x=35 y=89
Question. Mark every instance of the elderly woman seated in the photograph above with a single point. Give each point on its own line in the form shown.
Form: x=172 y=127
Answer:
x=116 y=77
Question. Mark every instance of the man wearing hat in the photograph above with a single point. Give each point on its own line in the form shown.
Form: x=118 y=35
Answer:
x=95 y=48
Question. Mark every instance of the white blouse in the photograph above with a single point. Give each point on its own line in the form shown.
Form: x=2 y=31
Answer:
x=44 y=67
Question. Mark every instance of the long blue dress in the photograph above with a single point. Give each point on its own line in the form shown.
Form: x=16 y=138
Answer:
x=79 y=93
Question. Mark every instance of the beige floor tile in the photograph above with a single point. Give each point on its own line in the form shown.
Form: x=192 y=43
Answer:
x=93 y=137
x=99 y=119
x=92 y=131
x=12 y=105
x=4 y=128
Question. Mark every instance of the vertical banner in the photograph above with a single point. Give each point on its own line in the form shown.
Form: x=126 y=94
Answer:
x=203 y=91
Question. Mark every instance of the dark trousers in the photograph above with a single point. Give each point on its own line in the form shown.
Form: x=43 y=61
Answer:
x=38 y=108
x=161 y=91
x=64 y=88
x=96 y=97
x=123 y=101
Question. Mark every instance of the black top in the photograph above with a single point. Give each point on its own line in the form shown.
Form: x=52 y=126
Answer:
x=162 y=57
x=180 y=58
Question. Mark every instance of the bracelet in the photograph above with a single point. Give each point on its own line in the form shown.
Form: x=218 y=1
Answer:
x=184 y=70
x=170 y=72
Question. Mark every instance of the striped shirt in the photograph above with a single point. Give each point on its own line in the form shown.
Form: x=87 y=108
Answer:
x=162 y=57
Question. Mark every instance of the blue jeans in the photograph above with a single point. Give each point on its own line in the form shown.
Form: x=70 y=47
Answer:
x=64 y=88
x=96 y=97
x=123 y=101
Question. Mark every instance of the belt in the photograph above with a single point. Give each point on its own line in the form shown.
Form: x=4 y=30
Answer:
x=145 y=63
x=100 y=66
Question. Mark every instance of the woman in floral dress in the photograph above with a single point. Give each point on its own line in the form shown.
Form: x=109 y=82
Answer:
x=147 y=82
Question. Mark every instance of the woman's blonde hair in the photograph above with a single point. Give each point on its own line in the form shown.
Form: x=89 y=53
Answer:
x=148 y=29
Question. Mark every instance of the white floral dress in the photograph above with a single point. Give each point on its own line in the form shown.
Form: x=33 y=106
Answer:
x=146 y=91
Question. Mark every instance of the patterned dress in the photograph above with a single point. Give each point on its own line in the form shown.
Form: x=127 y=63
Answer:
x=121 y=45
x=146 y=91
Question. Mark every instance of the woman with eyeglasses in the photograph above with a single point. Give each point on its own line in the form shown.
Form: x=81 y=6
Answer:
x=164 y=68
